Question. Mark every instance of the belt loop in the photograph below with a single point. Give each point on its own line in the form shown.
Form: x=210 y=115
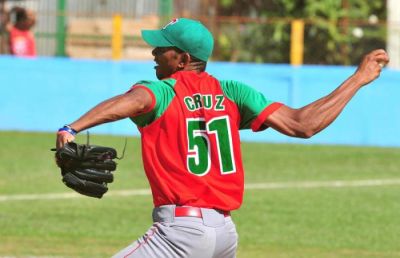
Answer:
x=164 y=213
x=212 y=218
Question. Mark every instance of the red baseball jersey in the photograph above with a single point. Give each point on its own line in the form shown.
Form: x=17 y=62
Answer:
x=191 y=143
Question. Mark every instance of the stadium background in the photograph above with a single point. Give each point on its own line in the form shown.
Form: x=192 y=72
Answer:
x=72 y=30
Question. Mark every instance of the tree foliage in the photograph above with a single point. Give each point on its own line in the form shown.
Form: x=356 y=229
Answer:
x=336 y=31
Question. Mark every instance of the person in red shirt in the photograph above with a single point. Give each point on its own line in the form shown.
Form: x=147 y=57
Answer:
x=21 y=38
x=189 y=123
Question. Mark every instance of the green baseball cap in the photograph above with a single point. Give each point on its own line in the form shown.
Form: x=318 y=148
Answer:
x=188 y=35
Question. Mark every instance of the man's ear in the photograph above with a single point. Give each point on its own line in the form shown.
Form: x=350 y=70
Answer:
x=185 y=60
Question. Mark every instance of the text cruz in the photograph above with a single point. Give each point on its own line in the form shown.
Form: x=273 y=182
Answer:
x=198 y=101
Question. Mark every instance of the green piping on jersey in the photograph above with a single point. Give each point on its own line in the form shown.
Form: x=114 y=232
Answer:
x=164 y=93
x=249 y=101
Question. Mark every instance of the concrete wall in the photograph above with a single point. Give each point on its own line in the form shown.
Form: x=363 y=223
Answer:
x=43 y=94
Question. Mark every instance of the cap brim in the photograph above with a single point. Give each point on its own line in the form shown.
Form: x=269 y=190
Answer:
x=155 y=38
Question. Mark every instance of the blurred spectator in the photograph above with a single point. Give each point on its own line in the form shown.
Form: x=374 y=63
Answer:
x=3 y=31
x=21 y=39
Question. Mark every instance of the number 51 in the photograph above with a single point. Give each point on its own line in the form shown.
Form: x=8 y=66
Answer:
x=198 y=132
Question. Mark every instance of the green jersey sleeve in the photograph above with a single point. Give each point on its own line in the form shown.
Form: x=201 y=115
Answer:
x=253 y=106
x=162 y=93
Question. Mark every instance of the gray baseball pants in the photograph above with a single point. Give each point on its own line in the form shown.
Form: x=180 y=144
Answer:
x=211 y=236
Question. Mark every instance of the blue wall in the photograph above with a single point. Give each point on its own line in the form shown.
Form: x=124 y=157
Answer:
x=43 y=94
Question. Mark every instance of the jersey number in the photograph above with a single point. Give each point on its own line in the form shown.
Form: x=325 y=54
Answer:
x=198 y=131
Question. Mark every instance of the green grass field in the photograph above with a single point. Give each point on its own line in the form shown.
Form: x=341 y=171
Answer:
x=294 y=222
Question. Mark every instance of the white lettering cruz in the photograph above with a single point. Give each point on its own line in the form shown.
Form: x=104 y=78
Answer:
x=208 y=101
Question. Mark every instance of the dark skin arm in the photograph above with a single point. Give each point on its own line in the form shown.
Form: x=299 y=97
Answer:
x=119 y=107
x=303 y=122
x=313 y=118
x=130 y=104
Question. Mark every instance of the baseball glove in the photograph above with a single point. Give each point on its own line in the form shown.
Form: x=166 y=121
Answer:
x=87 y=168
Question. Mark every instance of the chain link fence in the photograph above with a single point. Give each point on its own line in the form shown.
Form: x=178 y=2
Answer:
x=83 y=28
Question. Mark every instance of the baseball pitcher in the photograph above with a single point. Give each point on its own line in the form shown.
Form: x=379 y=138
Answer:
x=189 y=123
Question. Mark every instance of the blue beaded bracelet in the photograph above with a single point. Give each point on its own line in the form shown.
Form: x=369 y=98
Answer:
x=68 y=129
